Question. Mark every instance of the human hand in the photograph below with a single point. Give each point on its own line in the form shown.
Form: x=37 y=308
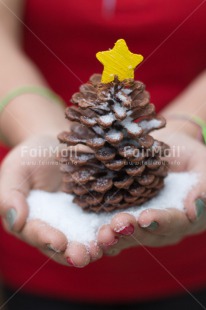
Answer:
x=30 y=165
x=164 y=227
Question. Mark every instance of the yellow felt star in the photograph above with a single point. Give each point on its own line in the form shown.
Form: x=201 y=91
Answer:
x=118 y=61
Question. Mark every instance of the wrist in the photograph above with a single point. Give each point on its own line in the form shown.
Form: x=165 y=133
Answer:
x=29 y=115
x=180 y=123
x=176 y=128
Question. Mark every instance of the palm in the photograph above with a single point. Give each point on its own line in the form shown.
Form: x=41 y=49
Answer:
x=186 y=154
x=32 y=165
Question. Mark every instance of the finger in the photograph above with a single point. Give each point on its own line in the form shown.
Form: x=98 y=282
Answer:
x=125 y=242
x=164 y=222
x=64 y=151
x=14 y=187
x=57 y=257
x=95 y=251
x=113 y=252
x=14 y=210
x=106 y=237
x=195 y=203
x=43 y=236
x=123 y=224
x=77 y=255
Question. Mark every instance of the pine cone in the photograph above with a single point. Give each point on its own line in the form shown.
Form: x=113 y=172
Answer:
x=125 y=168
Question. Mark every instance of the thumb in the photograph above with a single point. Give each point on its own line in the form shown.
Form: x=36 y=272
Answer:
x=195 y=203
x=14 y=187
x=64 y=151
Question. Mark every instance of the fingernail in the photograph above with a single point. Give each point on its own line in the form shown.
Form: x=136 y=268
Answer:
x=50 y=247
x=152 y=226
x=113 y=242
x=113 y=252
x=200 y=206
x=70 y=261
x=128 y=230
x=11 y=217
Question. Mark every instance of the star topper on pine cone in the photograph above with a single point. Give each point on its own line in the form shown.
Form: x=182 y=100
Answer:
x=118 y=61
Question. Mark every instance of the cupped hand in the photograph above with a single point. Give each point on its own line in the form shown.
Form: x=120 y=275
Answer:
x=32 y=165
x=156 y=228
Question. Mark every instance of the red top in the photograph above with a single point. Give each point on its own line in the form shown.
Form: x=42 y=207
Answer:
x=171 y=36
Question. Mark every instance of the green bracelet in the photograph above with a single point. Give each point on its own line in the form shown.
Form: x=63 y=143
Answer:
x=202 y=125
x=42 y=91
x=45 y=92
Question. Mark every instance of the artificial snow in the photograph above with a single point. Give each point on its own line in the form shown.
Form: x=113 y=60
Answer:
x=107 y=119
x=97 y=140
x=114 y=134
x=126 y=91
x=90 y=121
x=119 y=110
x=132 y=127
x=121 y=96
x=154 y=123
x=104 y=105
x=58 y=210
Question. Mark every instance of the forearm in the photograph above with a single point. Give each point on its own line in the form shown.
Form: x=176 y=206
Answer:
x=191 y=102
x=28 y=114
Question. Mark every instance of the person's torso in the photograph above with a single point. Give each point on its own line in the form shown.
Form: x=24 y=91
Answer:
x=62 y=37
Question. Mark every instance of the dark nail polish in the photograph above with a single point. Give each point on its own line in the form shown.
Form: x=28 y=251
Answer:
x=153 y=226
x=200 y=206
x=11 y=217
x=113 y=252
x=128 y=230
